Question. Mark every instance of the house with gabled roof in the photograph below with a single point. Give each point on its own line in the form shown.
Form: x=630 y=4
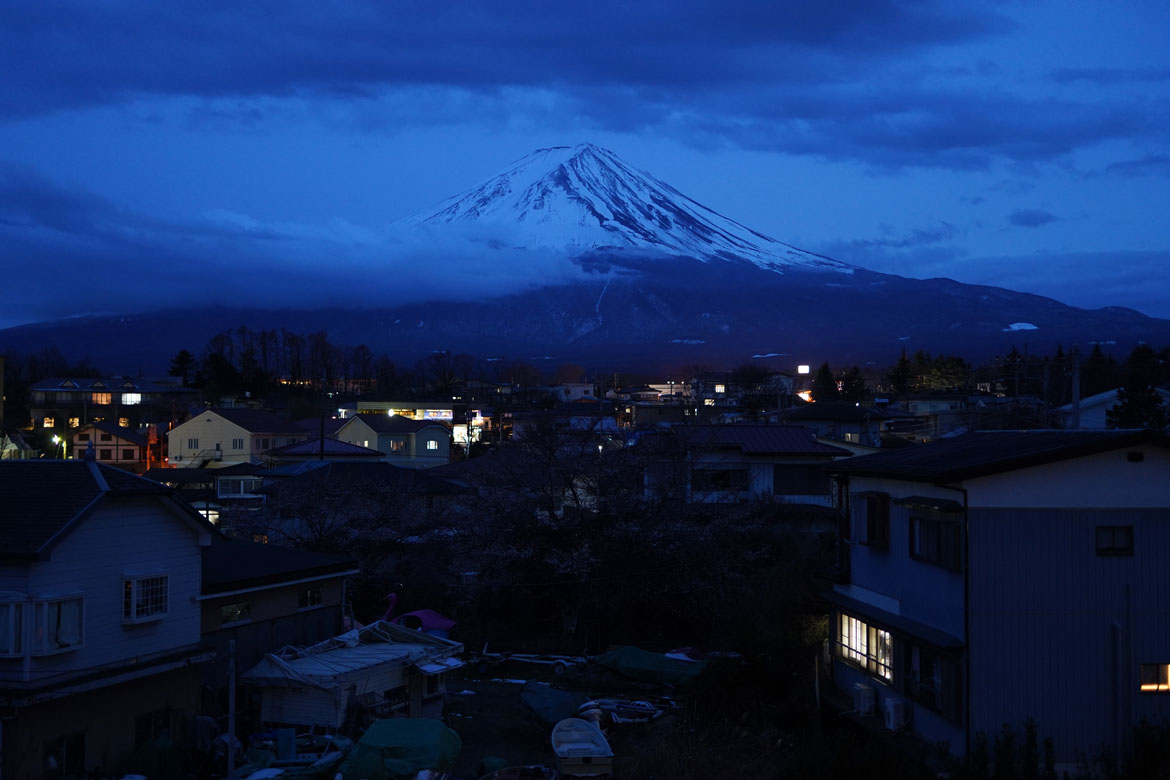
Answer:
x=113 y=445
x=1090 y=413
x=215 y=436
x=1005 y=576
x=407 y=443
x=322 y=449
x=99 y=632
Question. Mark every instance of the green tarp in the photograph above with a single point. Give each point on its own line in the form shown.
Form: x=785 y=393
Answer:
x=638 y=664
x=398 y=748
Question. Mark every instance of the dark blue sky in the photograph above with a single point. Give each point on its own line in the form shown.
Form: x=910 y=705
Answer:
x=154 y=154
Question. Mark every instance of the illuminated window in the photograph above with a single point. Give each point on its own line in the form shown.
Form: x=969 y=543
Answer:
x=865 y=647
x=101 y=398
x=236 y=613
x=1155 y=678
x=74 y=422
x=57 y=626
x=144 y=598
x=131 y=399
x=48 y=422
x=432 y=444
x=708 y=402
x=124 y=422
x=395 y=446
x=720 y=388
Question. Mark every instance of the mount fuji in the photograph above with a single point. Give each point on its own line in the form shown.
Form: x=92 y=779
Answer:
x=586 y=199
x=607 y=266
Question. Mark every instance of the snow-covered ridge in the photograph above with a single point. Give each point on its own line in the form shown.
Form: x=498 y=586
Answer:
x=586 y=198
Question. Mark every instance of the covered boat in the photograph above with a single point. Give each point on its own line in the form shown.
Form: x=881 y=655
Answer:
x=581 y=749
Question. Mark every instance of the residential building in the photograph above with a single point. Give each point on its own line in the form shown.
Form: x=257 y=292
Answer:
x=733 y=463
x=99 y=630
x=998 y=577
x=322 y=449
x=215 y=436
x=841 y=420
x=114 y=445
x=407 y=443
x=263 y=598
x=61 y=404
x=1092 y=410
x=568 y=392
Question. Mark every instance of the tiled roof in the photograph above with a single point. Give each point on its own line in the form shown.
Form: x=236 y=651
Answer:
x=991 y=452
x=41 y=499
x=333 y=449
x=385 y=423
x=110 y=384
x=258 y=421
x=126 y=434
x=756 y=439
x=232 y=564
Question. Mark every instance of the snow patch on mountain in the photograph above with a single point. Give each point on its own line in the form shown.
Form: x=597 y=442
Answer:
x=586 y=199
x=1019 y=326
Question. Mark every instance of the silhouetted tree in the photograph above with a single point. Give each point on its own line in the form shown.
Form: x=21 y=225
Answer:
x=1138 y=406
x=901 y=375
x=824 y=384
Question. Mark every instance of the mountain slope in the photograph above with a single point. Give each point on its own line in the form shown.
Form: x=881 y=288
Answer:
x=585 y=198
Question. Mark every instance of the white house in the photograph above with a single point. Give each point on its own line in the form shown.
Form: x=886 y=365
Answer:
x=229 y=436
x=99 y=629
x=407 y=443
x=998 y=577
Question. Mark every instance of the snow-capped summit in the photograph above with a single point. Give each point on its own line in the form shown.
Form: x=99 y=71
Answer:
x=585 y=198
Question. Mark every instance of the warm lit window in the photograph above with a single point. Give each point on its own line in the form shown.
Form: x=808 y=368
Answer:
x=708 y=402
x=101 y=399
x=432 y=444
x=131 y=399
x=720 y=388
x=865 y=647
x=210 y=515
x=144 y=598
x=236 y=613
x=124 y=422
x=48 y=422
x=57 y=625
x=308 y=598
x=74 y=422
x=11 y=625
x=1115 y=540
x=395 y=446
x=1155 y=678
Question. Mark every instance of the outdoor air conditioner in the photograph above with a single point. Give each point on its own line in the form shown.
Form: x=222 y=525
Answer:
x=897 y=713
x=862 y=699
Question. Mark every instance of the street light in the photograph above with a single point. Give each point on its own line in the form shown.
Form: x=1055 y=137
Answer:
x=57 y=443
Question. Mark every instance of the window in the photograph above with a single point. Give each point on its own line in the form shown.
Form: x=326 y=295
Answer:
x=719 y=480
x=11 y=626
x=432 y=444
x=1155 y=678
x=131 y=399
x=236 y=613
x=265 y=444
x=1115 y=540
x=144 y=598
x=64 y=757
x=105 y=437
x=720 y=388
x=130 y=453
x=123 y=422
x=192 y=444
x=934 y=681
x=105 y=454
x=237 y=444
x=935 y=541
x=397 y=445
x=708 y=402
x=48 y=422
x=309 y=598
x=101 y=399
x=83 y=437
x=57 y=626
x=866 y=647
x=74 y=422
x=875 y=531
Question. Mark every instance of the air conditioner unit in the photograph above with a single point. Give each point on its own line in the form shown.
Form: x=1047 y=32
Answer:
x=862 y=699
x=897 y=713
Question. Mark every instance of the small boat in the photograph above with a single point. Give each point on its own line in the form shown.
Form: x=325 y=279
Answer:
x=582 y=750
x=621 y=710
